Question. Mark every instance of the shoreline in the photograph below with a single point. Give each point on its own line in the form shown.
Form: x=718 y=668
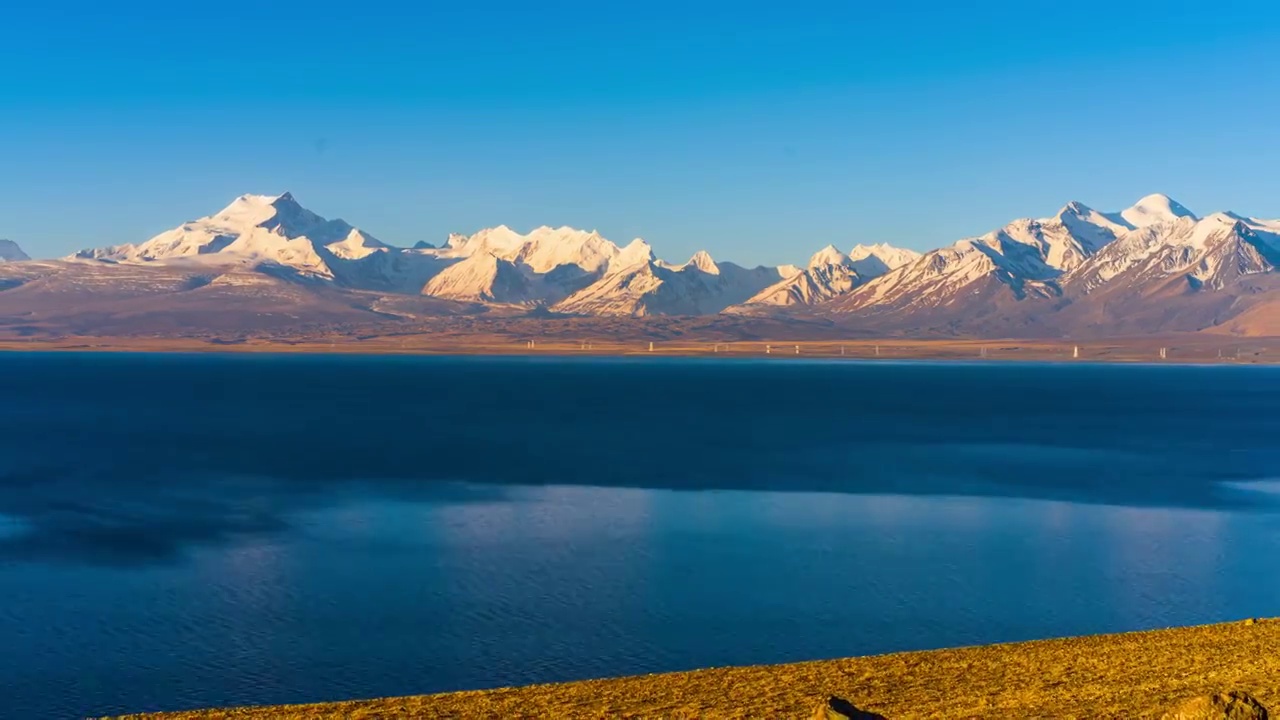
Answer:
x=1127 y=675
x=1196 y=350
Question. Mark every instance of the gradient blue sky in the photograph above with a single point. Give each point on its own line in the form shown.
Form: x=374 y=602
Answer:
x=759 y=131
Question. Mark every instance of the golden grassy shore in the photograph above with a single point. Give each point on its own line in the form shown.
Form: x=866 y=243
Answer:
x=1130 y=675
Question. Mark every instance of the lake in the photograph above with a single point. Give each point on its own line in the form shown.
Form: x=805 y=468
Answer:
x=180 y=531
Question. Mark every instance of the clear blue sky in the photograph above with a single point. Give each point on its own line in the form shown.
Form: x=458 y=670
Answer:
x=759 y=131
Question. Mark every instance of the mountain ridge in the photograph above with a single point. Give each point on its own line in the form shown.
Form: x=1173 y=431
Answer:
x=1040 y=275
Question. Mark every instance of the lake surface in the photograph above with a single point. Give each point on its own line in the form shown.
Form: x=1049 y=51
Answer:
x=186 y=531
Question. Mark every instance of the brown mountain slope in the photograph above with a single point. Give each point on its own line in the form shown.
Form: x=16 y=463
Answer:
x=109 y=299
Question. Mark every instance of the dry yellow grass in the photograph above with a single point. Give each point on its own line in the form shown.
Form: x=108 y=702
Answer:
x=1132 y=675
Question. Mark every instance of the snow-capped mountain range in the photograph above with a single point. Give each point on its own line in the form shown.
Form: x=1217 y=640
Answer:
x=1153 y=266
x=1155 y=247
x=276 y=233
x=562 y=269
x=830 y=274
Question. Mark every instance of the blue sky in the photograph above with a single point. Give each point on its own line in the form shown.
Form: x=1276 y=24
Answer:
x=759 y=131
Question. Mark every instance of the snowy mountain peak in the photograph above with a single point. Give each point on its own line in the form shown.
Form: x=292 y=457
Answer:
x=884 y=251
x=248 y=207
x=356 y=245
x=1153 y=209
x=281 y=214
x=637 y=252
x=1092 y=229
x=500 y=240
x=828 y=255
x=1075 y=208
x=547 y=248
x=829 y=274
x=253 y=229
x=10 y=252
x=875 y=260
x=702 y=261
x=482 y=277
x=543 y=249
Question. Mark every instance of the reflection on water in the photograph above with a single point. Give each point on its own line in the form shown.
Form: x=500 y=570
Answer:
x=376 y=596
x=200 y=547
